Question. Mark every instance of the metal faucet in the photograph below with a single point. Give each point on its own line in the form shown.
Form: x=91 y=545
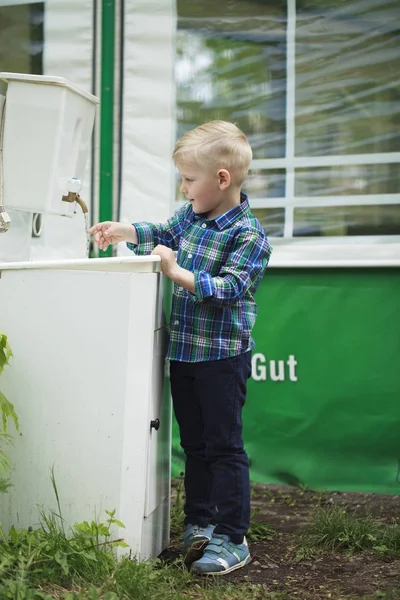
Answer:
x=5 y=220
x=75 y=197
x=72 y=195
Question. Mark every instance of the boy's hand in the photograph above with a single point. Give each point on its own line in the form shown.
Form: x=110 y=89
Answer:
x=168 y=260
x=112 y=232
x=171 y=269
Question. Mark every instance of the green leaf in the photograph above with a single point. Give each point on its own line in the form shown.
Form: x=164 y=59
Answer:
x=111 y=596
x=4 y=463
x=61 y=559
x=4 y=485
x=83 y=527
x=120 y=544
x=89 y=556
x=103 y=530
x=118 y=523
x=93 y=594
x=5 y=352
x=7 y=412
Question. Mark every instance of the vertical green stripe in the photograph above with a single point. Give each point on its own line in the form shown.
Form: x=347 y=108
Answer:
x=107 y=113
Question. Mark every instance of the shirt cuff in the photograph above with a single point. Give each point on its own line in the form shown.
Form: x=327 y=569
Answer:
x=145 y=238
x=204 y=285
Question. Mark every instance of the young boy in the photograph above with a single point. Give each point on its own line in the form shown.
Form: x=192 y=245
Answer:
x=222 y=253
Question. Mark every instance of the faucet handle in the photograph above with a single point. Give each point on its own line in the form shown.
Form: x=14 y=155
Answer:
x=74 y=185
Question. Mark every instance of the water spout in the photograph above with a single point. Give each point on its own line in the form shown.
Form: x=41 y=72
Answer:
x=74 y=197
x=87 y=225
x=5 y=220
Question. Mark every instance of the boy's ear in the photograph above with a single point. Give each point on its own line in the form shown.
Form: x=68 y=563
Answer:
x=224 y=179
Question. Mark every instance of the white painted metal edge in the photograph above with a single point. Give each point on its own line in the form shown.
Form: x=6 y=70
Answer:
x=48 y=80
x=320 y=254
x=342 y=160
x=333 y=264
x=134 y=264
x=282 y=258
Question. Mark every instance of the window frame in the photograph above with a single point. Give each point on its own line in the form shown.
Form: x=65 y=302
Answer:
x=304 y=247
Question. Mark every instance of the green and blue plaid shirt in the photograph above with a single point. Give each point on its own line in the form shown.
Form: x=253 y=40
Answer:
x=228 y=256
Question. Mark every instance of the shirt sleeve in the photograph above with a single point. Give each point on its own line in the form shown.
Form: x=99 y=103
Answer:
x=242 y=271
x=151 y=235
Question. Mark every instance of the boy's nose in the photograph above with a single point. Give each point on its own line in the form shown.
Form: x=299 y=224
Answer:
x=182 y=188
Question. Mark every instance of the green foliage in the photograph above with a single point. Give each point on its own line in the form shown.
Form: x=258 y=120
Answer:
x=153 y=579
x=7 y=413
x=5 y=352
x=258 y=531
x=334 y=529
x=177 y=512
x=48 y=554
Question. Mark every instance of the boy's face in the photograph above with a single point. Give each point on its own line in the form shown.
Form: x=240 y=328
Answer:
x=201 y=187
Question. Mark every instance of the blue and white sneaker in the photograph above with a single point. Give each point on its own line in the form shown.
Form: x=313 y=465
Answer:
x=222 y=556
x=195 y=541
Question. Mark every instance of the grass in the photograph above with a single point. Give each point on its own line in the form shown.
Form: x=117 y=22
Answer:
x=56 y=562
x=258 y=531
x=53 y=562
x=50 y=563
x=391 y=595
x=50 y=554
x=177 y=513
x=335 y=530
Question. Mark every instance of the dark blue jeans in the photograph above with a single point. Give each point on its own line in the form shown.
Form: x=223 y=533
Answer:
x=208 y=399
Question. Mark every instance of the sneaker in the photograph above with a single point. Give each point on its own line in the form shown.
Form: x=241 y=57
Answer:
x=222 y=556
x=195 y=541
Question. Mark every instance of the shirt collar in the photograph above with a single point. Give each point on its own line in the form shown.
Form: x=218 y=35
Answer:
x=235 y=213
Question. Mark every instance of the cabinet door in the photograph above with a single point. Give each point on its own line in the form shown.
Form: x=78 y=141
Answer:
x=159 y=452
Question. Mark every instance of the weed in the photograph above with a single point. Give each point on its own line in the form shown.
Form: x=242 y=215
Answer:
x=334 y=529
x=388 y=595
x=48 y=554
x=7 y=413
x=152 y=579
x=177 y=512
x=258 y=531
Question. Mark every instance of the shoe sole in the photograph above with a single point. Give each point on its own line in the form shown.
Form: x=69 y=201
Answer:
x=244 y=562
x=195 y=551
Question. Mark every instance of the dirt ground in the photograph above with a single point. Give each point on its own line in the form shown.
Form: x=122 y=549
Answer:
x=331 y=576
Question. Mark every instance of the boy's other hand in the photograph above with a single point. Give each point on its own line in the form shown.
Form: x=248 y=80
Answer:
x=111 y=232
x=168 y=259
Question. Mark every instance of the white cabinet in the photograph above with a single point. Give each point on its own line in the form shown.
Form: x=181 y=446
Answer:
x=87 y=380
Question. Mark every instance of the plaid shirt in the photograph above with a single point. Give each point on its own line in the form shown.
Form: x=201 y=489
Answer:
x=228 y=256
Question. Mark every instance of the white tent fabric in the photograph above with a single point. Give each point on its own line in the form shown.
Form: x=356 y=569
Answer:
x=149 y=112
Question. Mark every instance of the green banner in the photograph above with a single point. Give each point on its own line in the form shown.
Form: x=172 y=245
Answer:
x=323 y=406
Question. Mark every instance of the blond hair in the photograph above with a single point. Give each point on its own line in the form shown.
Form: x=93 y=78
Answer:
x=216 y=144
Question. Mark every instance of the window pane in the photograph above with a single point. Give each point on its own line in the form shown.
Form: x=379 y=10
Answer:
x=230 y=65
x=21 y=38
x=348 y=180
x=347 y=220
x=347 y=77
x=265 y=184
x=272 y=220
